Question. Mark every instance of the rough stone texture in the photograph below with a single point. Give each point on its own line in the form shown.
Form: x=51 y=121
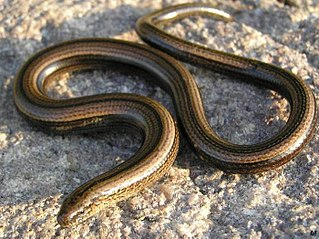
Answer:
x=37 y=170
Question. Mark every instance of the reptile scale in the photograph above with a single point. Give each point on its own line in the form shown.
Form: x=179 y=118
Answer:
x=160 y=134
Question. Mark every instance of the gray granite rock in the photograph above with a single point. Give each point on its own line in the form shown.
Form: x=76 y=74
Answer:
x=38 y=170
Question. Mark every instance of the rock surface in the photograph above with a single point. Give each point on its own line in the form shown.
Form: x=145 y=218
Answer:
x=38 y=170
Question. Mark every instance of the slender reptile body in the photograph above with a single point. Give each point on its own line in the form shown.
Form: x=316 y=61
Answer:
x=161 y=140
x=231 y=157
